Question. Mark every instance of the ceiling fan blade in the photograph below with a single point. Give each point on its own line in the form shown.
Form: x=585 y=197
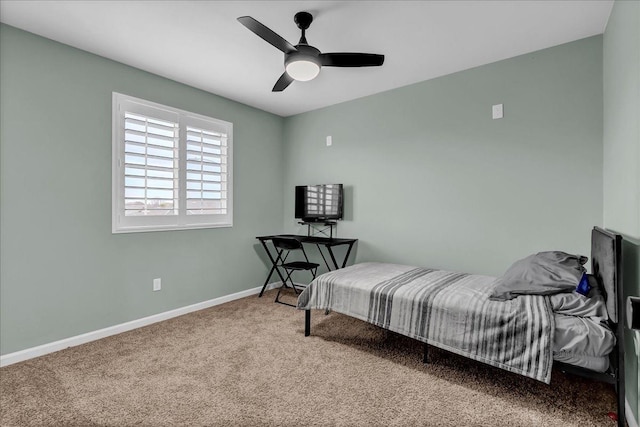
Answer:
x=283 y=82
x=346 y=59
x=267 y=34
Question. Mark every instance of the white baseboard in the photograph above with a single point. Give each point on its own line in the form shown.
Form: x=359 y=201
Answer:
x=631 y=421
x=41 y=350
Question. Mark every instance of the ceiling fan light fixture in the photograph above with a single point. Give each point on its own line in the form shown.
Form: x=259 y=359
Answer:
x=303 y=69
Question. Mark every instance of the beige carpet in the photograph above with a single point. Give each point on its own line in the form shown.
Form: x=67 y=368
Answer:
x=247 y=363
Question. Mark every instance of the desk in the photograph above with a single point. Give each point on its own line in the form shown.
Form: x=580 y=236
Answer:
x=327 y=242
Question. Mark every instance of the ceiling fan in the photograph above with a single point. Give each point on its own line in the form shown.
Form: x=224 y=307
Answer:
x=302 y=62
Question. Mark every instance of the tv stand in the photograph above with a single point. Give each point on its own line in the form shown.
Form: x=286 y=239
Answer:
x=314 y=230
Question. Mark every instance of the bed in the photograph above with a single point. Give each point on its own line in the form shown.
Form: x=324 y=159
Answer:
x=528 y=335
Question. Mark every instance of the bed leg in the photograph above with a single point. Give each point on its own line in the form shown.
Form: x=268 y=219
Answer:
x=620 y=391
x=425 y=357
x=307 y=323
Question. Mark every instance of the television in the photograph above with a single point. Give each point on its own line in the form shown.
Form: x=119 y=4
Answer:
x=319 y=202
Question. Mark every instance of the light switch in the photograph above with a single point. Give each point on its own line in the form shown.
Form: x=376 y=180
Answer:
x=497 y=111
x=329 y=141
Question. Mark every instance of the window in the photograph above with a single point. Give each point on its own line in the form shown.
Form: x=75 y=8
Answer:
x=171 y=168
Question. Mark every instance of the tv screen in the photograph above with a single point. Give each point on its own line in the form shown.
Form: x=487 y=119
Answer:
x=319 y=202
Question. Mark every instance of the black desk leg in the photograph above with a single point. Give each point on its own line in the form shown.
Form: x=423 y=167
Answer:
x=333 y=258
x=266 y=282
x=274 y=264
x=307 y=323
x=346 y=257
x=323 y=257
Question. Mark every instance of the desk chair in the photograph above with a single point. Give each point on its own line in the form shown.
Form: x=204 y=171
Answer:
x=284 y=246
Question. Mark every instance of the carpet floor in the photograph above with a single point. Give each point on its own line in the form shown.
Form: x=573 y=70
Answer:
x=247 y=363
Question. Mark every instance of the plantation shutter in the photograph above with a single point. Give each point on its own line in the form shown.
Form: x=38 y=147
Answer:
x=150 y=166
x=206 y=172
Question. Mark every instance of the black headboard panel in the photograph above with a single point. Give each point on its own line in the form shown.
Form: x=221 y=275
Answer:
x=606 y=251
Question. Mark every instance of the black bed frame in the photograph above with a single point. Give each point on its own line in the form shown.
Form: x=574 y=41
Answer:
x=615 y=374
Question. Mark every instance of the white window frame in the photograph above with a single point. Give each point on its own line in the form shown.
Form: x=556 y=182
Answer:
x=132 y=224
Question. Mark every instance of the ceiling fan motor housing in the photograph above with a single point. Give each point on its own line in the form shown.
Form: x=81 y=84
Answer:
x=304 y=53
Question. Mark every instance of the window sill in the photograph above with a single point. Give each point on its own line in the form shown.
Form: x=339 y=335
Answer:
x=126 y=230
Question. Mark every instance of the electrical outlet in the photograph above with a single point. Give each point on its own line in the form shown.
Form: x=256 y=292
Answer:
x=157 y=284
x=497 y=111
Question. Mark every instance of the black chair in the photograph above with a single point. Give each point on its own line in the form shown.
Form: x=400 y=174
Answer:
x=284 y=247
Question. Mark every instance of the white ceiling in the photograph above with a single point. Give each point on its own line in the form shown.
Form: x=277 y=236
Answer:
x=200 y=43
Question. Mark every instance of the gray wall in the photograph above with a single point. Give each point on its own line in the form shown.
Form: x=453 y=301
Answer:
x=62 y=271
x=432 y=180
x=621 y=60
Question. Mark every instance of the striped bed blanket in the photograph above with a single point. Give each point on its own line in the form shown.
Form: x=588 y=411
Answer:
x=444 y=309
